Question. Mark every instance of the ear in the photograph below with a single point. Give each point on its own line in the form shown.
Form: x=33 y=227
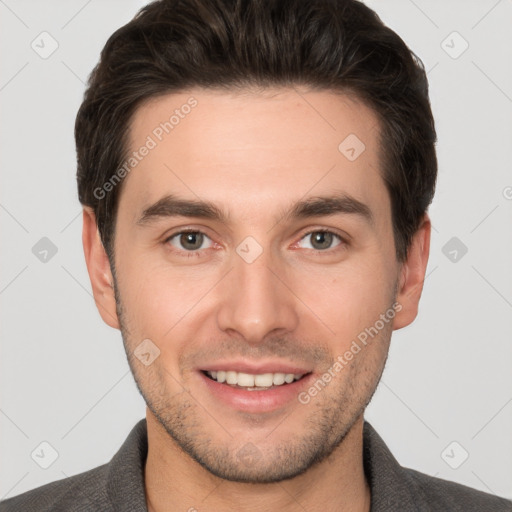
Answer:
x=99 y=270
x=412 y=275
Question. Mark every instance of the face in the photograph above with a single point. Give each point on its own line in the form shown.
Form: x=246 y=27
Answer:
x=254 y=256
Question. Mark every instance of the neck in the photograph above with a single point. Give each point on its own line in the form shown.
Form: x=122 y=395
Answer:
x=174 y=481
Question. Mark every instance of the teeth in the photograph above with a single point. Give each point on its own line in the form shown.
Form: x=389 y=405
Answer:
x=231 y=377
x=246 y=380
x=264 y=381
x=278 y=379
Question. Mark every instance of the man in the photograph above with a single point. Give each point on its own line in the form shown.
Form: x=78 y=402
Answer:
x=255 y=178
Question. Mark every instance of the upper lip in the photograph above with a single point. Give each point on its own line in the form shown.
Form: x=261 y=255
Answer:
x=256 y=368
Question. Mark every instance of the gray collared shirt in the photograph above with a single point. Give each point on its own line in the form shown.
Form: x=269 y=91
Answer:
x=119 y=485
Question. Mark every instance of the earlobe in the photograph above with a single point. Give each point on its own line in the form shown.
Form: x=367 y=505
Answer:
x=98 y=267
x=412 y=275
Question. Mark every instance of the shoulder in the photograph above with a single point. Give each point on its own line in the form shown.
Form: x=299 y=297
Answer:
x=117 y=485
x=85 y=491
x=394 y=487
x=445 y=495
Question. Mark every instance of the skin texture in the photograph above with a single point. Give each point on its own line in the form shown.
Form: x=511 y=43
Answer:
x=254 y=155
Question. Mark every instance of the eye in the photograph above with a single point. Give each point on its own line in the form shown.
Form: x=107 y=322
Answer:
x=189 y=241
x=321 y=240
x=192 y=241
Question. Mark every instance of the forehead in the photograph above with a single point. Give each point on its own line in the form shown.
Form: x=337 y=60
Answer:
x=256 y=149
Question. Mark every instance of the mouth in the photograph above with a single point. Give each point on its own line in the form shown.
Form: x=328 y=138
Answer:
x=253 y=382
x=257 y=392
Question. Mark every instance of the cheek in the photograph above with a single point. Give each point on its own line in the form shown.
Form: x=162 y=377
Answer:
x=160 y=299
x=156 y=297
x=348 y=298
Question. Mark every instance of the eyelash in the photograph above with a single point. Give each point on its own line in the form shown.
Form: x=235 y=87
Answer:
x=197 y=253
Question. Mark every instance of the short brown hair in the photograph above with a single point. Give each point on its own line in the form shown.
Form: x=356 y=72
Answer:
x=339 y=45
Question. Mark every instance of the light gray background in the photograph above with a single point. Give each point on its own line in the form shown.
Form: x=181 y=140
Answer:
x=64 y=375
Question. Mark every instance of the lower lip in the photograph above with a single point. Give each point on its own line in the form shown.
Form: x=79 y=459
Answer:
x=256 y=401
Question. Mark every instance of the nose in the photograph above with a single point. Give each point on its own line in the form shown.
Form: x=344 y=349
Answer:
x=256 y=300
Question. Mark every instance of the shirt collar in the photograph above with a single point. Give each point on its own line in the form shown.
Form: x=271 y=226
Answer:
x=125 y=478
x=390 y=486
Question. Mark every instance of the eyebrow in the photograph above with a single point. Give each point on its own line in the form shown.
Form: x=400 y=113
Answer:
x=318 y=206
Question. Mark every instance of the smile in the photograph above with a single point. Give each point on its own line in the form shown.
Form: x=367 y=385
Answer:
x=254 y=390
x=251 y=382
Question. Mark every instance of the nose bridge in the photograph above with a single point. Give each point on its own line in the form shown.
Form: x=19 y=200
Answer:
x=254 y=302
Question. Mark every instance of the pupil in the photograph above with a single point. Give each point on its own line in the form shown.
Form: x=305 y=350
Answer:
x=322 y=239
